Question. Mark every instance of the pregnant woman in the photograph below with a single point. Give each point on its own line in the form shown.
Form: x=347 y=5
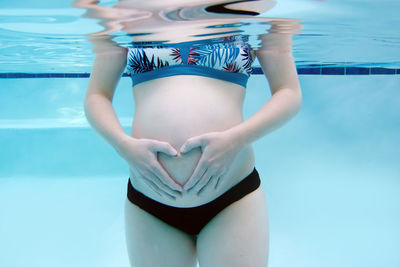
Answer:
x=193 y=192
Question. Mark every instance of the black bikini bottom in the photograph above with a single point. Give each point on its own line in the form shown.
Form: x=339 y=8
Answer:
x=192 y=220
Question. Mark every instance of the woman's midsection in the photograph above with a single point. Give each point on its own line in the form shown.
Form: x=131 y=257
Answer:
x=181 y=107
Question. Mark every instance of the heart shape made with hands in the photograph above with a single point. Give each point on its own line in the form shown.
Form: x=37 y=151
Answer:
x=182 y=166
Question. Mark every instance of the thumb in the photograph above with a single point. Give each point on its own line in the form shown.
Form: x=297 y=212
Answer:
x=166 y=148
x=191 y=143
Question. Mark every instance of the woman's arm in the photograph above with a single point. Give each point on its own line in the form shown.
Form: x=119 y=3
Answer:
x=276 y=60
x=220 y=148
x=140 y=154
x=107 y=68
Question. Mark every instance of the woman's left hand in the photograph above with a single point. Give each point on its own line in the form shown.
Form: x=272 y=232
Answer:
x=219 y=149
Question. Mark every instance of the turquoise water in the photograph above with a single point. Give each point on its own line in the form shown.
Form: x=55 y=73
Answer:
x=331 y=174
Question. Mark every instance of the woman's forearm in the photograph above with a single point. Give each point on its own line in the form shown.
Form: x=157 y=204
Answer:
x=280 y=108
x=101 y=115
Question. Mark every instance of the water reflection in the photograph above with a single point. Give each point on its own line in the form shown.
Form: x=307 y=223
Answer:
x=173 y=23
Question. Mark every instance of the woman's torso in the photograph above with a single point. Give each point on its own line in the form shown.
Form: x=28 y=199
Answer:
x=175 y=108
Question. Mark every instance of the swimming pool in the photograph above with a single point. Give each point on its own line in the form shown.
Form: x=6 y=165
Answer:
x=331 y=175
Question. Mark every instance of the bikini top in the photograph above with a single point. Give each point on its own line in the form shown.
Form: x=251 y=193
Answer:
x=229 y=60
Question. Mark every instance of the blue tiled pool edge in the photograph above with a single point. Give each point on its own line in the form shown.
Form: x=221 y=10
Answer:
x=314 y=70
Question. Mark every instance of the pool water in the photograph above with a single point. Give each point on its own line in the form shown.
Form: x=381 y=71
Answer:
x=331 y=174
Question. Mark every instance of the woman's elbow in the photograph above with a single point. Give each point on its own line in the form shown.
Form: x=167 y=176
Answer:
x=90 y=101
x=298 y=101
x=87 y=107
x=295 y=99
x=87 y=102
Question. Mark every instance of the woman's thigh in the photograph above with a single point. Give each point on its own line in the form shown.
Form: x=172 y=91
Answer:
x=153 y=243
x=238 y=236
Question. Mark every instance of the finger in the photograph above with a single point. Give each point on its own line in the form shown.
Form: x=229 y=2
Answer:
x=136 y=173
x=165 y=188
x=164 y=177
x=198 y=172
x=219 y=181
x=147 y=182
x=147 y=179
x=214 y=182
x=155 y=185
x=204 y=180
x=151 y=184
x=191 y=143
x=209 y=182
x=206 y=186
x=164 y=147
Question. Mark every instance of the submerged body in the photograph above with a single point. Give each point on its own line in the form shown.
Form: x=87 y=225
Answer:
x=185 y=90
x=172 y=109
x=175 y=108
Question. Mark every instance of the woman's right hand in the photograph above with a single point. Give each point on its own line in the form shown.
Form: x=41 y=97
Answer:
x=141 y=155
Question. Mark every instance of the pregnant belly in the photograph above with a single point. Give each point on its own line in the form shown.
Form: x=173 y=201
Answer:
x=181 y=167
x=175 y=113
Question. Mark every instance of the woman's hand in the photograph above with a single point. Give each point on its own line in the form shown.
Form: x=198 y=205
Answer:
x=141 y=155
x=219 y=149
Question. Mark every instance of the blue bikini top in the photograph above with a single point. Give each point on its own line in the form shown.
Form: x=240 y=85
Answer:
x=229 y=60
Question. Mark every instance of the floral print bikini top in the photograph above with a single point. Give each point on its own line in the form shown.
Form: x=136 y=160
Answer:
x=229 y=60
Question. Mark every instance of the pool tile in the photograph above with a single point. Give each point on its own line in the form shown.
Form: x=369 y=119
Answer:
x=375 y=70
x=357 y=71
x=21 y=75
x=332 y=70
x=58 y=75
x=43 y=75
x=309 y=71
x=71 y=75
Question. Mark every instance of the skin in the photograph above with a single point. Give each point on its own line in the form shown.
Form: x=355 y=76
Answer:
x=188 y=145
